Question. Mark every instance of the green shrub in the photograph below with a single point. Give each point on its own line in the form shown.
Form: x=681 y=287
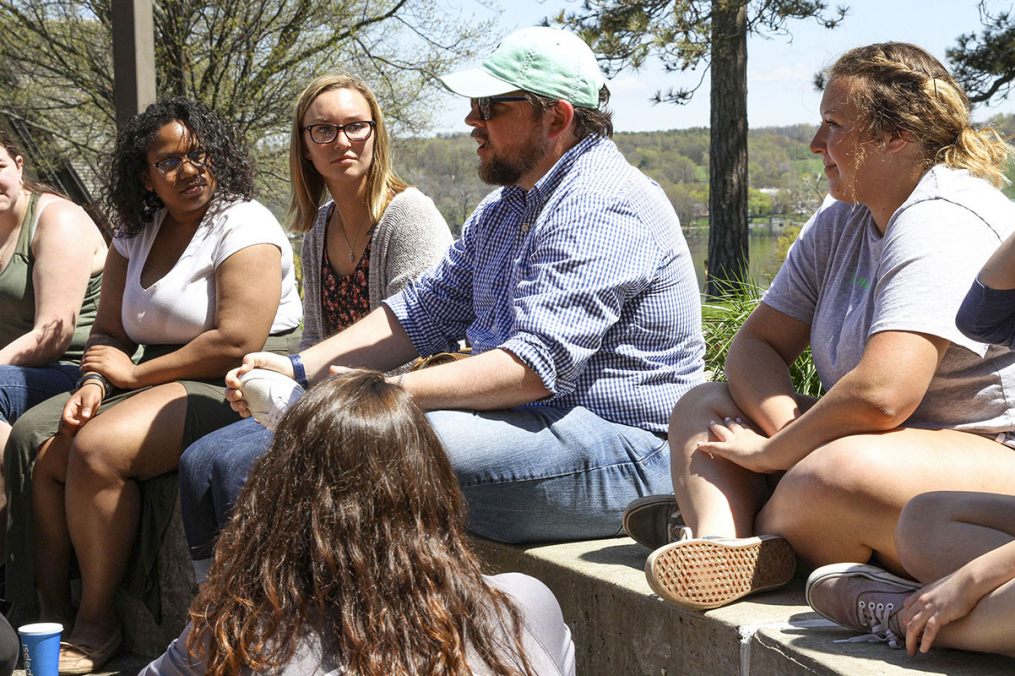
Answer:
x=720 y=322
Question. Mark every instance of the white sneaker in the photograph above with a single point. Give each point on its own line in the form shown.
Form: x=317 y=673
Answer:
x=269 y=395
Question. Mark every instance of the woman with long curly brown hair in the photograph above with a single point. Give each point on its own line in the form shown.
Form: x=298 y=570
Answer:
x=347 y=553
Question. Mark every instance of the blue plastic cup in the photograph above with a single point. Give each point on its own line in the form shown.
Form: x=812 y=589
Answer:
x=40 y=646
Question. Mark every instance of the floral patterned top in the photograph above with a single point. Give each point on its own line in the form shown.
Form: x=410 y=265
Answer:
x=344 y=300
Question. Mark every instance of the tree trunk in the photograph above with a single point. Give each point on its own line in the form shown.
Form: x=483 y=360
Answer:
x=727 y=235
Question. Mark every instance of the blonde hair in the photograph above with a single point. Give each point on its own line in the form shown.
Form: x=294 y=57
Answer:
x=900 y=89
x=308 y=184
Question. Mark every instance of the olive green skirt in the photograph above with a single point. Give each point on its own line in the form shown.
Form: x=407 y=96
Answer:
x=207 y=411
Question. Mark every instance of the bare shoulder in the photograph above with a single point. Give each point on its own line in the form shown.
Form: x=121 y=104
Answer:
x=62 y=214
x=63 y=224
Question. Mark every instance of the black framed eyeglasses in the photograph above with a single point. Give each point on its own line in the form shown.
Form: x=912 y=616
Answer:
x=170 y=165
x=485 y=104
x=357 y=131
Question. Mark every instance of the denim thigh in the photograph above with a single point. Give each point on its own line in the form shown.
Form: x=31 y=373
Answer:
x=22 y=387
x=213 y=471
x=538 y=473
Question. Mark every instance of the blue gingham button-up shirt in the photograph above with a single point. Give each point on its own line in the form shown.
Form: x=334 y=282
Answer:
x=586 y=278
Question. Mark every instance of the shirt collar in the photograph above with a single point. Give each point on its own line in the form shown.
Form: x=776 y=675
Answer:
x=545 y=186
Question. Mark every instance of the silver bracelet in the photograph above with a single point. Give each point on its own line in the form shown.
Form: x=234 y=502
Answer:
x=401 y=379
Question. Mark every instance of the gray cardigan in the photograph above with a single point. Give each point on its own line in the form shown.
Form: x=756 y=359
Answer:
x=410 y=238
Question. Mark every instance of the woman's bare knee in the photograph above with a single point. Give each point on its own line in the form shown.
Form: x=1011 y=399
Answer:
x=820 y=505
x=692 y=413
x=51 y=462
x=95 y=450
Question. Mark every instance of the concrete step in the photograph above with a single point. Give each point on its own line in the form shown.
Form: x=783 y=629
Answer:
x=621 y=628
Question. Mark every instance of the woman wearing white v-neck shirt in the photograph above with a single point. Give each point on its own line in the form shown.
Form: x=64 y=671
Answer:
x=199 y=275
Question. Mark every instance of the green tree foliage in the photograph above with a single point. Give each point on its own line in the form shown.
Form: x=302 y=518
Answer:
x=445 y=169
x=984 y=63
x=249 y=59
x=683 y=35
x=720 y=322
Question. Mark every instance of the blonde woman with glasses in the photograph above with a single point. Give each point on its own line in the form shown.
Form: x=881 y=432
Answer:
x=370 y=238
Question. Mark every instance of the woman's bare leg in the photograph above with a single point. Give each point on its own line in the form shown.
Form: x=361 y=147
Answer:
x=940 y=532
x=842 y=502
x=989 y=627
x=50 y=539
x=716 y=497
x=135 y=440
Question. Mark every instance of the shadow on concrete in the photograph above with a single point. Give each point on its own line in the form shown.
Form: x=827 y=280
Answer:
x=631 y=555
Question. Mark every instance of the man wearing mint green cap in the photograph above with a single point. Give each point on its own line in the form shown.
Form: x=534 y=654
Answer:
x=574 y=286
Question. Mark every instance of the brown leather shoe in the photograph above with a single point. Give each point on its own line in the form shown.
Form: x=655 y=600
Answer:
x=653 y=521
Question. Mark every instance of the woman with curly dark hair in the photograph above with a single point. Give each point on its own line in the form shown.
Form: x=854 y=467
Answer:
x=347 y=554
x=199 y=275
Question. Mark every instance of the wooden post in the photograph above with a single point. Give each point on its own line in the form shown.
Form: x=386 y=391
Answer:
x=133 y=58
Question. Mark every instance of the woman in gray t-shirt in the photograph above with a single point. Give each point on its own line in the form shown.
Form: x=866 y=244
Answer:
x=872 y=286
x=347 y=553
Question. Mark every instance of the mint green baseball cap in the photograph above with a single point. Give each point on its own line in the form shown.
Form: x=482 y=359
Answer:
x=546 y=61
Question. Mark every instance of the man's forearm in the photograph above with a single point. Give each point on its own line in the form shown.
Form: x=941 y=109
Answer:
x=491 y=381
x=377 y=341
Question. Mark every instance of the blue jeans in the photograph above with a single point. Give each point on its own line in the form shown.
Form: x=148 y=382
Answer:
x=22 y=387
x=529 y=474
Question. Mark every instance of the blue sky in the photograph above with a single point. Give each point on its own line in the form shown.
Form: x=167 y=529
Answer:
x=779 y=69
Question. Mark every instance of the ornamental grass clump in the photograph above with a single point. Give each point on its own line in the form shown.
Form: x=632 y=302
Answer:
x=721 y=319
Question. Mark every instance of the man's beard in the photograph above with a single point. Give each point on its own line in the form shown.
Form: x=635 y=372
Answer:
x=501 y=170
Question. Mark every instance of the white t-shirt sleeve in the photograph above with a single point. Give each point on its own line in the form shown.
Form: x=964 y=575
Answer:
x=932 y=253
x=796 y=286
x=246 y=224
x=547 y=638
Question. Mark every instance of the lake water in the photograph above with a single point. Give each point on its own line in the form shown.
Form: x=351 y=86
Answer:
x=761 y=247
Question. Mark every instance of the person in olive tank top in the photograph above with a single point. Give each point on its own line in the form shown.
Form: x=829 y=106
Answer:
x=51 y=258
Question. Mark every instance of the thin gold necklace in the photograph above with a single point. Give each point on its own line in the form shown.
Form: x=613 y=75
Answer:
x=352 y=246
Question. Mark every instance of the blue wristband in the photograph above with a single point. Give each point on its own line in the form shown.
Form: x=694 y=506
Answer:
x=299 y=371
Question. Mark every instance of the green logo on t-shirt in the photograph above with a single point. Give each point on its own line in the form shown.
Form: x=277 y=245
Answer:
x=862 y=282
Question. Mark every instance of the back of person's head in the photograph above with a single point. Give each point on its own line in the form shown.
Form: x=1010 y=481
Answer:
x=550 y=65
x=353 y=525
x=308 y=185
x=900 y=89
x=125 y=198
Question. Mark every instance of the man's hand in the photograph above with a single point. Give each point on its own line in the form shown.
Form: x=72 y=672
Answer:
x=254 y=360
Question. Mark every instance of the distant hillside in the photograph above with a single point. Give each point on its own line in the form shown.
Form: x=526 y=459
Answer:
x=786 y=180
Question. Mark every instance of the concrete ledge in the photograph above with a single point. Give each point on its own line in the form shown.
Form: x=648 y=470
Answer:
x=621 y=628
